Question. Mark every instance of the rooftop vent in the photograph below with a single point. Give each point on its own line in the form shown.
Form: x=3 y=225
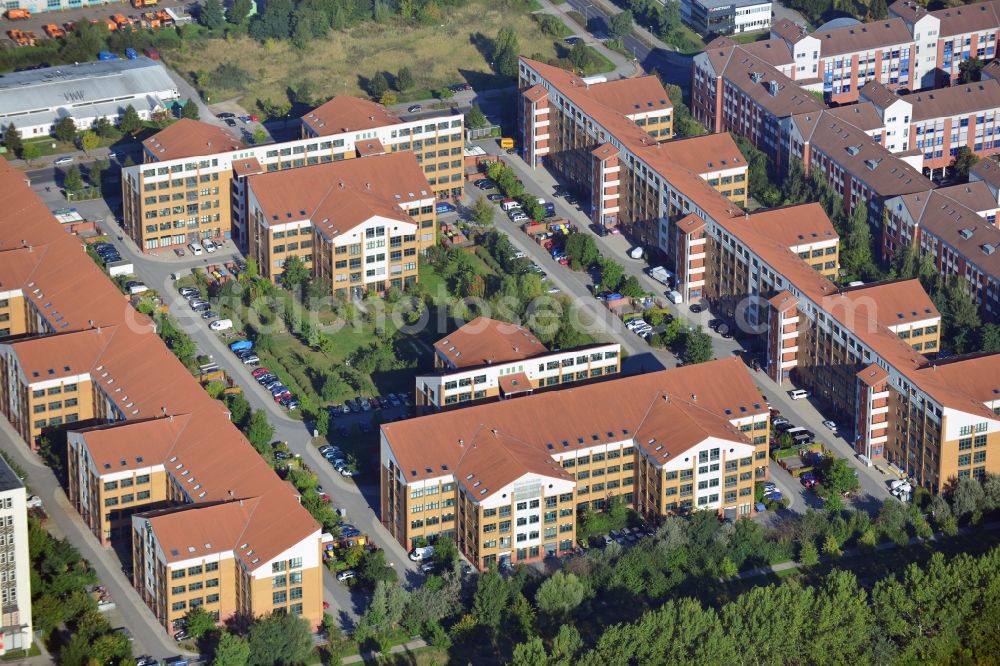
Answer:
x=772 y=88
x=966 y=233
x=854 y=150
x=872 y=164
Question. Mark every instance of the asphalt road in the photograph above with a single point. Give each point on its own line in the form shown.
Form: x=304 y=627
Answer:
x=652 y=54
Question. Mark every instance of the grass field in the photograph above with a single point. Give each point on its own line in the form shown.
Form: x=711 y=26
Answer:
x=457 y=50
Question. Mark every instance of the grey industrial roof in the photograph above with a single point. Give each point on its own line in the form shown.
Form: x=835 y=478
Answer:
x=8 y=479
x=103 y=81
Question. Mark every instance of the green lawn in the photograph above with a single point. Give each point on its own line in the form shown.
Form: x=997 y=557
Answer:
x=750 y=37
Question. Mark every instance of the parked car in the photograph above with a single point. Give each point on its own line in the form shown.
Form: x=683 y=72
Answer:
x=414 y=108
x=62 y=161
x=209 y=314
x=494 y=197
x=486 y=184
x=831 y=425
x=345 y=575
x=798 y=394
x=188 y=292
x=221 y=325
x=444 y=207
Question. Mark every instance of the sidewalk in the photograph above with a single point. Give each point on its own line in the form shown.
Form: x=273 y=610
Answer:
x=396 y=649
x=624 y=67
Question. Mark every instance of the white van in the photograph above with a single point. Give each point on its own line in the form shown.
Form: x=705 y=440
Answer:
x=195 y=248
x=421 y=554
x=675 y=297
x=864 y=460
x=137 y=288
x=509 y=204
x=221 y=325
x=798 y=394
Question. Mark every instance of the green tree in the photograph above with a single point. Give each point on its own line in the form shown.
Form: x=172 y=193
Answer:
x=697 y=347
x=808 y=555
x=88 y=140
x=275 y=22
x=838 y=477
x=631 y=287
x=959 y=314
x=280 y=638
x=73 y=181
x=878 y=10
x=238 y=11
x=684 y=123
x=621 y=24
x=857 y=255
x=65 y=129
x=12 y=139
x=130 y=122
x=96 y=172
x=490 y=601
x=566 y=645
x=475 y=118
x=198 y=622
x=404 y=79
x=530 y=653
x=378 y=85
x=612 y=274
x=445 y=552
x=505 y=52
x=239 y=409
x=970 y=70
x=231 y=650
x=964 y=160
x=967 y=498
x=560 y=594
x=190 y=111
x=373 y=568
x=259 y=431
x=483 y=212
x=294 y=274
x=104 y=128
x=323 y=422
x=211 y=15
x=258 y=136
x=30 y=152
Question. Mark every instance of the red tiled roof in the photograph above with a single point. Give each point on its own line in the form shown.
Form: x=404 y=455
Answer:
x=485 y=341
x=344 y=113
x=187 y=138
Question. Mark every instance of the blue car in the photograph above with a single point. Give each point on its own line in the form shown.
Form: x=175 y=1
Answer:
x=444 y=207
x=774 y=496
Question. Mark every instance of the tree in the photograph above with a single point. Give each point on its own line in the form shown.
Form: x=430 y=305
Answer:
x=259 y=431
x=237 y=11
x=566 y=645
x=198 y=622
x=959 y=313
x=582 y=251
x=211 y=15
x=388 y=98
x=808 y=556
x=611 y=274
x=96 y=172
x=259 y=136
x=697 y=347
x=530 y=653
x=275 y=22
x=104 y=128
x=280 y=638
x=373 y=568
x=30 y=152
x=838 y=477
x=490 y=600
x=620 y=24
x=378 y=85
x=404 y=80
x=88 y=140
x=964 y=160
x=73 y=182
x=968 y=498
x=12 y=139
x=970 y=70
x=631 y=287
x=857 y=255
x=190 y=111
x=445 y=552
x=294 y=274
x=505 y=52
x=475 y=118
x=560 y=594
x=65 y=129
x=483 y=212
x=232 y=650
x=323 y=422
x=239 y=409
x=130 y=122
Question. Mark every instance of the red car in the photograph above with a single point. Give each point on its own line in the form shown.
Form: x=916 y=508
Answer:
x=260 y=371
x=375 y=402
x=280 y=396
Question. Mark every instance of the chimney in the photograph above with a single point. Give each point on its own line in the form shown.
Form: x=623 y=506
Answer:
x=694 y=397
x=461 y=442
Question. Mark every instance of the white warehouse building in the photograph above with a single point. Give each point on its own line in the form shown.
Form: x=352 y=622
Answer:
x=37 y=99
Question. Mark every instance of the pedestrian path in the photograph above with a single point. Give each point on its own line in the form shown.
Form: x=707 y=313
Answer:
x=396 y=649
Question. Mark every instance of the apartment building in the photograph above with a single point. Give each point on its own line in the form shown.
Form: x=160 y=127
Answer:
x=358 y=225
x=948 y=37
x=487 y=359
x=508 y=479
x=735 y=89
x=85 y=367
x=726 y=17
x=962 y=240
x=192 y=183
x=15 y=564
x=937 y=123
x=839 y=345
x=858 y=168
